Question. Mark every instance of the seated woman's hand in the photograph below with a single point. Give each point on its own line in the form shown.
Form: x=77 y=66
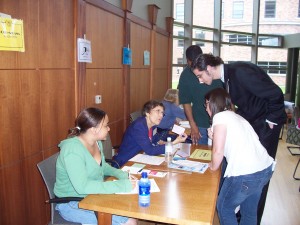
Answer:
x=180 y=138
x=133 y=180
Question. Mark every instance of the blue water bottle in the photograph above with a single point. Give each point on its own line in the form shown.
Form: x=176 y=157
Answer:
x=144 y=190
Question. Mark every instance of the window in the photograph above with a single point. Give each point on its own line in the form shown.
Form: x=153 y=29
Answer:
x=268 y=41
x=273 y=67
x=199 y=35
x=179 y=60
x=299 y=9
x=270 y=9
x=238 y=10
x=180 y=12
x=180 y=41
x=238 y=38
x=181 y=33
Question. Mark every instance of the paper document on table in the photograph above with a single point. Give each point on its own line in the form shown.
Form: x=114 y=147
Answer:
x=182 y=149
x=147 y=159
x=178 y=129
x=189 y=165
x=185 y=124
x=131 y=169
x=138 y=170
x=154 y=188
x=201 y=154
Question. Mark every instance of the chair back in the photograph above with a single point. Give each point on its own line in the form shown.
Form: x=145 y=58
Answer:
x=47 y=169
x=135 y=115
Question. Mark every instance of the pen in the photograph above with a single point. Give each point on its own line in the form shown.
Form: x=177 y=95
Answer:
x=140 y=170
x=171 y=171
x=179 y=158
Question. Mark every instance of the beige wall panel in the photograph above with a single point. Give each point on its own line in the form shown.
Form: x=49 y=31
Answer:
x=139 y=88
x=109 y=84
x=105 y=31
x=57 y=105
x=161 y=54
x=10 y=117
x=56 y=34
x=160 y=83
x=30 y=113
x=140 y=38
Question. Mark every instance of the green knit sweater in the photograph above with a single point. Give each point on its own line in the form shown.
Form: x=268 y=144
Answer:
x=78 y=174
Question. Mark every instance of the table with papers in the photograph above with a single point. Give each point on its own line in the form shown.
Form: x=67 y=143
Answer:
x=187 y=199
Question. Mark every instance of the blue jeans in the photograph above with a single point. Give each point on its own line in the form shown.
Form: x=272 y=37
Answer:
x=70 y=212
x=243 y=191
x=204 y=139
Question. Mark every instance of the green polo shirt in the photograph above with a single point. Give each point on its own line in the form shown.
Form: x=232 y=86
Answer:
x=191 y=91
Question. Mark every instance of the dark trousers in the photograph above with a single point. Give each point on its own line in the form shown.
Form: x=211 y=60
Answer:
x=269 y=139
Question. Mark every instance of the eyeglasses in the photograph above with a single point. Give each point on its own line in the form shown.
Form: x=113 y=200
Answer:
x=159 y=112
x=206 y=104
x=199 y=76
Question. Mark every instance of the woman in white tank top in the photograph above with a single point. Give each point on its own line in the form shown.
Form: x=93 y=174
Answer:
x=249 y=167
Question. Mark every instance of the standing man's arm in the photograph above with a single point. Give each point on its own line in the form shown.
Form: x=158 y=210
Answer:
x=195 y=134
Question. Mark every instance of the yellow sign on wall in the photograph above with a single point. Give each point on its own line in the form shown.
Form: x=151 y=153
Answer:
x=11 y=35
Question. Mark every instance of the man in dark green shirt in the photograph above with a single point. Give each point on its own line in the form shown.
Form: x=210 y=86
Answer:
x=191 y=96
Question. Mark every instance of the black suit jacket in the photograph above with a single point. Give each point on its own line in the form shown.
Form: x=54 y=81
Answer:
x=254 y=93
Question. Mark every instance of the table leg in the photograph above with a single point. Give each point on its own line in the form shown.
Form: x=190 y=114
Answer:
x=104 y=218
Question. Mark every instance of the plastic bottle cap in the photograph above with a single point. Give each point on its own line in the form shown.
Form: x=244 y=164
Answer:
x=144 y=175
x=169 y=139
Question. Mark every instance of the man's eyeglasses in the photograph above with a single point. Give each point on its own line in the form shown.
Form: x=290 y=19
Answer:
x=199 y=76
x=206 y=104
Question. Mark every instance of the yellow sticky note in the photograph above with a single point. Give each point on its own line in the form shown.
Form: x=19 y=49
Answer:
x=201 y=154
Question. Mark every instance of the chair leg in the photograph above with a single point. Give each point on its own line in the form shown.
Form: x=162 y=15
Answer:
x=293 y=147
x=294 y=175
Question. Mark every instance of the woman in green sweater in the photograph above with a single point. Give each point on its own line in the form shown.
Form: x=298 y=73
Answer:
x=81 y=167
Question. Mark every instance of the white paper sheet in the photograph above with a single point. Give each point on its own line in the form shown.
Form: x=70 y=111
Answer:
x=148 y=159
x=178 y=129
x=154 y=188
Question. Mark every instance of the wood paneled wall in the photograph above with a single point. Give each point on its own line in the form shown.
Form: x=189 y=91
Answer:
x=40 y=88
x=37 y=105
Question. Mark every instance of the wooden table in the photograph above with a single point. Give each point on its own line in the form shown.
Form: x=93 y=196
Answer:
x=186 y=199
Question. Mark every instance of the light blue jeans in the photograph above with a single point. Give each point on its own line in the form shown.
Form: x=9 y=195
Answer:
x=243 y=191
x=70 y=212
x=204 y=139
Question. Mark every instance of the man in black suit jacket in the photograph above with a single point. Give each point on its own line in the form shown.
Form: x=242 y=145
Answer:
x=257 y=98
